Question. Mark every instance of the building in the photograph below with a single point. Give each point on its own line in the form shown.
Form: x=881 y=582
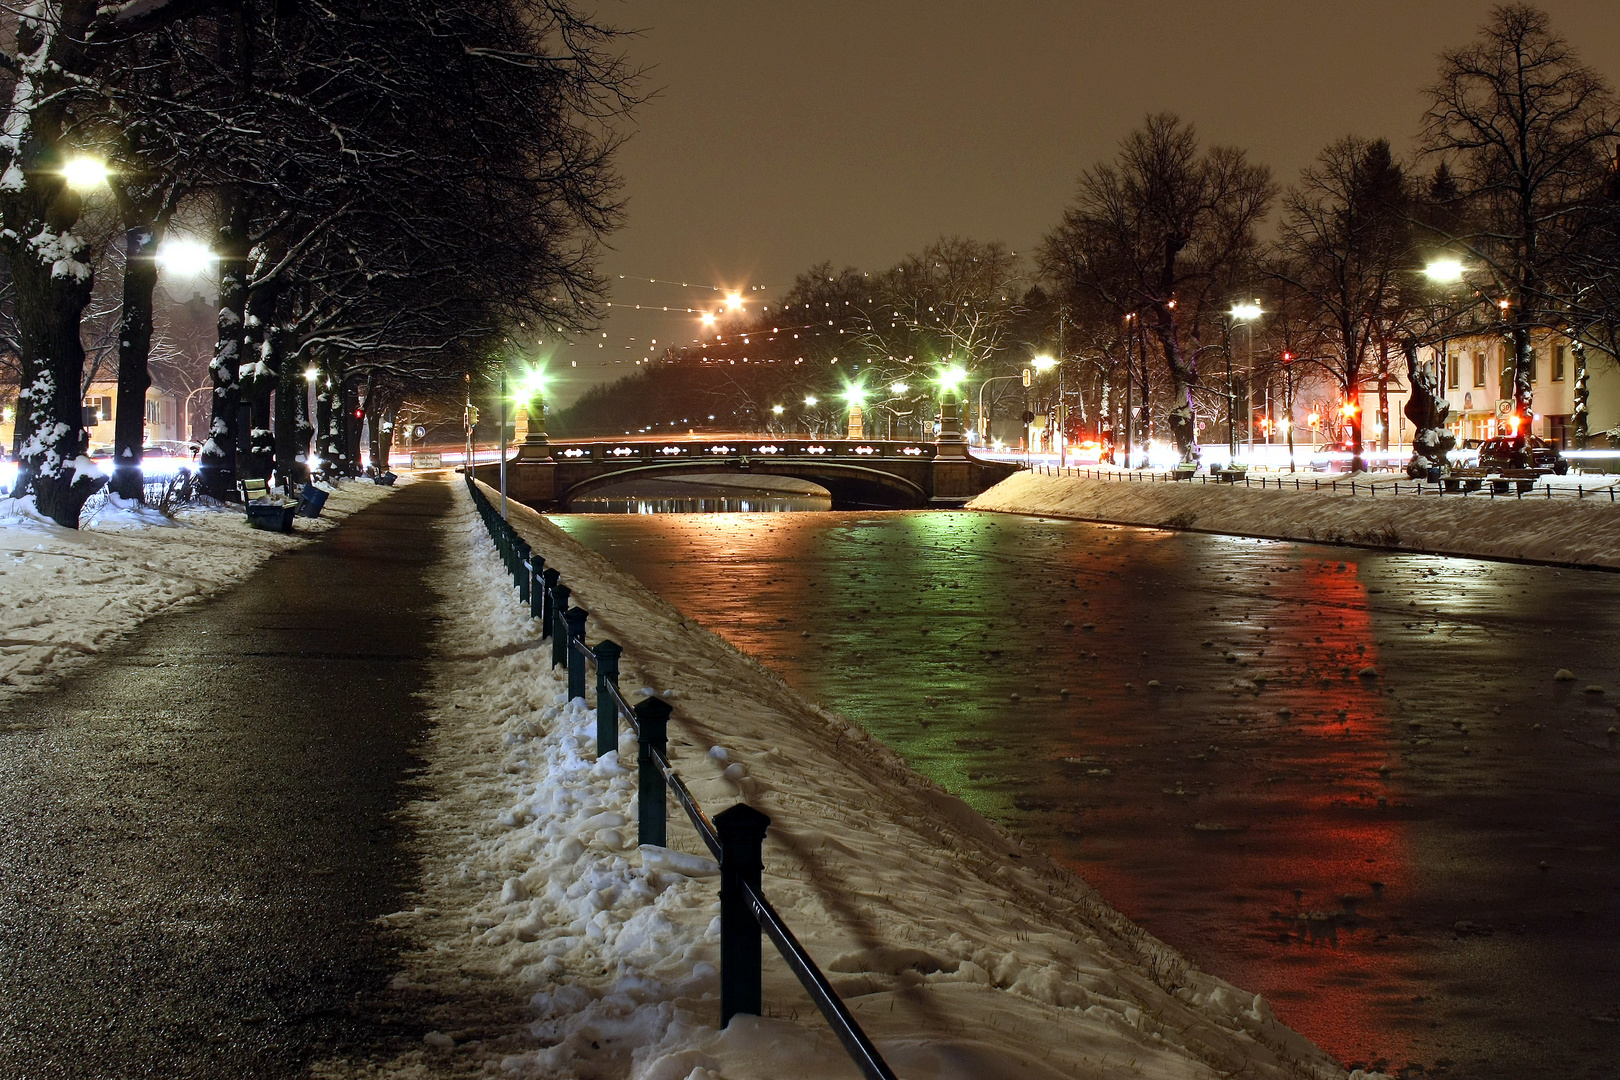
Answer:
x=1476 y=376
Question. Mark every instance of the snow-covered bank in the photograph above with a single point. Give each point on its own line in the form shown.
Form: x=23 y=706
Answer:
x=963 y=954
x=67 y=594
x=1562 y=531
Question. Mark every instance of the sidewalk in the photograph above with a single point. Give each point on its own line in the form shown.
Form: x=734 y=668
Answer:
x=196 y=832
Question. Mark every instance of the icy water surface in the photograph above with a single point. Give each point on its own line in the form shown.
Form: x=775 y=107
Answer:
x=1418 y=868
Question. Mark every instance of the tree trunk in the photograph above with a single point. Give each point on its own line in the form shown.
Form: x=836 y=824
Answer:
x=328 y=417
x=1183 y=377
x=216 y=466
x=292 y=422
x=1582 y=415
x=260 y=368
x=1352 y=395
x=49 y=407
x=1427 y=409
x=134 y=349
x=1383 y=396
x=49 y=268
x=352 y=415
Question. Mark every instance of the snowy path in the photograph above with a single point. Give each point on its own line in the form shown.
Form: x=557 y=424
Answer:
x=68 y=594
x=963 y=954
x=195 y=829
x=1563 y=531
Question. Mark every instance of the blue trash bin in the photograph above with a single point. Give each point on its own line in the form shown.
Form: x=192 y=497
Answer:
x=314 y=499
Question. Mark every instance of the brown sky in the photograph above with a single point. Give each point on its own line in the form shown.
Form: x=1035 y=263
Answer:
x=788 y=133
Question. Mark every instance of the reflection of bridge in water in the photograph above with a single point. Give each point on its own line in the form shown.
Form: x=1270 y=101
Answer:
x=856 y=472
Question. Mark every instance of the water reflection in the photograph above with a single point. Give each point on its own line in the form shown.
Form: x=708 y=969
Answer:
x=721 y=504
x=1326 y=775
x=707 y=495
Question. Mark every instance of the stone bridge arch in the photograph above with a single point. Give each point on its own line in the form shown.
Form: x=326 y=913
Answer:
x=851 y=486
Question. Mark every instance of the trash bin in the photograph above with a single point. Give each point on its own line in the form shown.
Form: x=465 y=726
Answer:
x=1434 y=474
x=314 y=499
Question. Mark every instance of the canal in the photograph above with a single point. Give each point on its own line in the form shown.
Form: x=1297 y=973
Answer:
x=1348 y=780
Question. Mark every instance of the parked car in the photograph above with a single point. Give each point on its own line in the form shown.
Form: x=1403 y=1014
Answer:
x=1521 y=452
x=1330 y=457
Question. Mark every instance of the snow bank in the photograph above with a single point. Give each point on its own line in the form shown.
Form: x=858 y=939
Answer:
x=549 y=945
x=67 y=594
x=1562 y=530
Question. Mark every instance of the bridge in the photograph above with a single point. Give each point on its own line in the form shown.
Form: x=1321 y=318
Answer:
x=858 y=473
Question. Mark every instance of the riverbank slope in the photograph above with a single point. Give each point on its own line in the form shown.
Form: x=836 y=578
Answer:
x=1561 y=531
x=965 y=955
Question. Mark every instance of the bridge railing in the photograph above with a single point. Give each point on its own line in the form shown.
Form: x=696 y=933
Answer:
x=735 y=836
x=763 y=449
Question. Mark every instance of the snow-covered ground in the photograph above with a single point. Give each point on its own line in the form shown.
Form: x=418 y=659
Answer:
x=550 y=945
x=1578 y=525
x=67 y=594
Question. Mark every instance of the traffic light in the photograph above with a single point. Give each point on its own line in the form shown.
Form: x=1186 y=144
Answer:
x=1026 y=376
x=472 y=417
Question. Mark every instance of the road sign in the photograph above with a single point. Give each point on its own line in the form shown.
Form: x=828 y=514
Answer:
x=1504 y=407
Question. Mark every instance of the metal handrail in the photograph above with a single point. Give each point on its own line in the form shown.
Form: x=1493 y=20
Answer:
x=865 y=1055
x=683 y=794
x=860 y=1048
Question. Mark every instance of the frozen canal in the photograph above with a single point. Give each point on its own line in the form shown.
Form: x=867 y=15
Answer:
x=1344 y=779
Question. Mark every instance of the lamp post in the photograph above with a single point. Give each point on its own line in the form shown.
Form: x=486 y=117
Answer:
x=950 y=423
x=535 y=445
x=984 y=421
x=1244 y=313
x=1042 y=364
x=855 y=396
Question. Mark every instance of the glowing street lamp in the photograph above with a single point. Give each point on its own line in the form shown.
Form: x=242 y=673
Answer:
x=1044 y=363
x=1245 y=311
x=185 y=258
x=898 y=388
x=810 y=401
x=951 y=377
x=708 y=318
x=85 y=174
x=310 y=375
x=1444 y=271
x=734 y=301
x=777 y=409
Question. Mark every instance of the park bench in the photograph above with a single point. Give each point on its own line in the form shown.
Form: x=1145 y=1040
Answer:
x=1231 y=474
x=266 y=510
x=1185 y=470
x=1523 y=479
x=1464 y=480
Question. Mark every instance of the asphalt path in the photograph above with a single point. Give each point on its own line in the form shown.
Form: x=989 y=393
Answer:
x=197 y=834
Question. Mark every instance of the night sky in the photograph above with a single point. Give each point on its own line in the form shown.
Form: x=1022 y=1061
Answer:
x=784 y=134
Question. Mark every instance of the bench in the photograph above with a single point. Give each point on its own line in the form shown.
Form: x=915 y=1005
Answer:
x=1464 y=480
x=1231 y=474
x=1523 y=479
x=264 y=510
x=1185 y=470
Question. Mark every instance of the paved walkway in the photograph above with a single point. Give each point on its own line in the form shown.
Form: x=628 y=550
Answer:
x=195 y=835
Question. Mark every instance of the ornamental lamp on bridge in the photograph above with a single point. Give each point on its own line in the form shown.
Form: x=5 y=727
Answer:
x=531 y=417
x=950 y=417
x=855 y=396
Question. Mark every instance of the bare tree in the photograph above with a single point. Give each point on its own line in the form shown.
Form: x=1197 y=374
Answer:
x=1528 y=129
x=1162 y=231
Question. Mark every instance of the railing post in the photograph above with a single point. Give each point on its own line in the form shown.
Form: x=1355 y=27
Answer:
x=559 y=625
x=537 y=567
x=607 y=709
x=742 y=835
x=576 y=653
x=549 y=576
x=652 y=722
x=521 y=570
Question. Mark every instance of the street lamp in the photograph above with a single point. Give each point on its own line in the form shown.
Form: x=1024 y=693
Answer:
x=85 y=174
x=185 y=258
x=1444 y=271
x=1245 y=313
